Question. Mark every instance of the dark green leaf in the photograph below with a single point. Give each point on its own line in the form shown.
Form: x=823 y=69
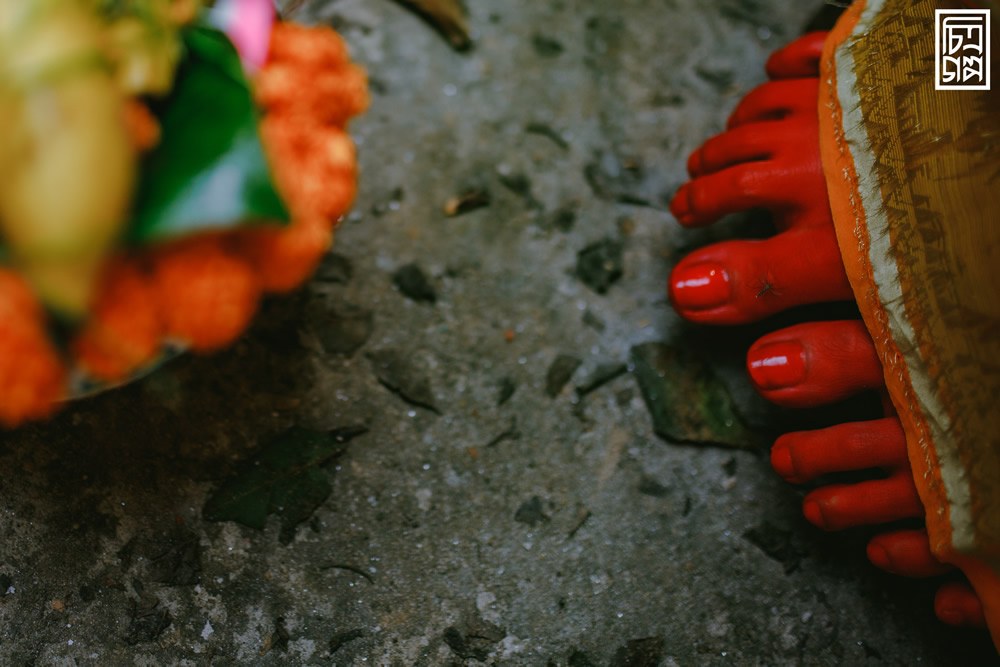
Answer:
x=214 y=48
x=686 y=400
x=285 y=478
x=209 y=170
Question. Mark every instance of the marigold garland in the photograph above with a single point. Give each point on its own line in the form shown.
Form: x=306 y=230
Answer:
x=203 y=291
x=31 y=374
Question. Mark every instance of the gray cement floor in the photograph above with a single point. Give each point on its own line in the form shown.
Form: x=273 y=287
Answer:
x=481 y=509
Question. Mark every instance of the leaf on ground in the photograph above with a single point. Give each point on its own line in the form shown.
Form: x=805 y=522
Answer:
x=285 y=478
x=687 y=401
x=447 y=16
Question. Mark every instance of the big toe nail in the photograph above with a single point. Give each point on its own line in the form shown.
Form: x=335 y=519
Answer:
x=700 y=286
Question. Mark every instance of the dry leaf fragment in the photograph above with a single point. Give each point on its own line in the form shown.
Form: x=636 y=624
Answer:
x=447 y=16
x=469 y=200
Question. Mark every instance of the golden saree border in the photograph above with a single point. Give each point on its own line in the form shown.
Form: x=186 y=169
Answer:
x=914 y=181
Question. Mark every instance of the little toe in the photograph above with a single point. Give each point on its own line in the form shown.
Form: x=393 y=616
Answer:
x=804 y=455
x=798 y=59
x=957 y=604
x=735 y=282
x=775 y=100
x=841 y=506
x=906 y=553
x=814 y=363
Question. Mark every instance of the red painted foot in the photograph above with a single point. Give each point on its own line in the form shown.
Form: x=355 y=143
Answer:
x=769 y=157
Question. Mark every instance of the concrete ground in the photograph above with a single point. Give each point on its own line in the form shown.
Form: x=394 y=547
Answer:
x=493 y=491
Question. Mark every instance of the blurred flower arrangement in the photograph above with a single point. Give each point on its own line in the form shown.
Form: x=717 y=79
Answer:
x=157 y=179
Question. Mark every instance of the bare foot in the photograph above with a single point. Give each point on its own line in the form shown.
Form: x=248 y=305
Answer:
x=769 y=158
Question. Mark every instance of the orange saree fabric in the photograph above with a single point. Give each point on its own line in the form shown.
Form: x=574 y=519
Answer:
x=914 y=180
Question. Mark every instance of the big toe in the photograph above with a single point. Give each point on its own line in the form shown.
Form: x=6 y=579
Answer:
x=735 y=282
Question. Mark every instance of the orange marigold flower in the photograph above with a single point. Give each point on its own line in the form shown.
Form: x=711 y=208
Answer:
x=124 y=328
x=318 y=46
x=308 y=73
x=338 y=172
x=284 y=257
x=314 y=166
x=327 y=95
x=207 y=294
x=32 y=378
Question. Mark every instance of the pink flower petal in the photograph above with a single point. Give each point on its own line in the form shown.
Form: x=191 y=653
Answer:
x=248 y=24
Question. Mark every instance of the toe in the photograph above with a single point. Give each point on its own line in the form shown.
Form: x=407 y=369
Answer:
x=798 y=59
x=735 y=282
x=814 y=363
x=791 y=188
x=739 y=188
x=907 y=553
x=957 y=604
x=775 y=100
x=706 y=199
x=741 y=144
x=773 y=165
x=804 y=455
x=841 y=506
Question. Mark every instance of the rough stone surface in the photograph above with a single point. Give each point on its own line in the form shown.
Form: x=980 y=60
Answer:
x=648 y=552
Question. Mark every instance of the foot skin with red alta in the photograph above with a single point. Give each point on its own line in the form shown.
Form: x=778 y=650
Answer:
x=768 y=157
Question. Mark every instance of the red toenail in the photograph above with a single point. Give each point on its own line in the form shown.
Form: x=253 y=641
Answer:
x=781 y=461
x=814 y=514
x=777 y=365
x=680 y=205
x=694 y=162
x=700 y=286
x=951 y=616
x=880 y=558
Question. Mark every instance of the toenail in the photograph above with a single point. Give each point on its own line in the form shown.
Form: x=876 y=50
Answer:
x=880 y=557
x=777 y=365
x=813 y=513
x=781 y=461
x=700 y=286
x=680 y=205
x=694 y=162
x=951 y=616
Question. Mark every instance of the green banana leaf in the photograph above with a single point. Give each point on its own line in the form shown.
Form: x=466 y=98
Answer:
x=209 y=170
